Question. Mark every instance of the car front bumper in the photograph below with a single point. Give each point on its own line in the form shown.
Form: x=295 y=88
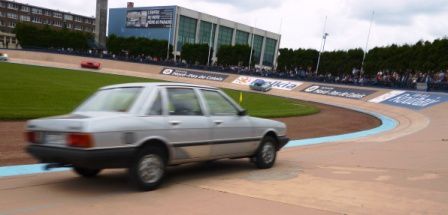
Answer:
x=283 y=140
x=96 y=158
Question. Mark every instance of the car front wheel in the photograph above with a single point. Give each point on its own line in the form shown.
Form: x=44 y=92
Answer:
x=267 y=154
x=148 y=169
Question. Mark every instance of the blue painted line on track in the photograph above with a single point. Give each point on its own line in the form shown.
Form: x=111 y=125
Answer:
x=26 y=170
x=386 y=125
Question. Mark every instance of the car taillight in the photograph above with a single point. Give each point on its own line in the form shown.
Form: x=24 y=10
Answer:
x=31 y=136
x=80 y=140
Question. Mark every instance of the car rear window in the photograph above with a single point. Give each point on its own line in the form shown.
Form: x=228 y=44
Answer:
x=112 y=100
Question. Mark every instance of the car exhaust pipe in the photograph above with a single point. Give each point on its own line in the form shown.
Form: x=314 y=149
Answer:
x=55 y=165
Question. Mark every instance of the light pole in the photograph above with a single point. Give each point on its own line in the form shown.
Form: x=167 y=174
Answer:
x=367 y=44
x=169 y=37
x=252 y=44
x=210 y=44
x=324 y=40
x=251 y=49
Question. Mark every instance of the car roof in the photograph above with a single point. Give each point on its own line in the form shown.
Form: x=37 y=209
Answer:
x=156 y=84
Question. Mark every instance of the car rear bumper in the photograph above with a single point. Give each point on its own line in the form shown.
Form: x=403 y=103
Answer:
x=282 y=141
x=98 y=158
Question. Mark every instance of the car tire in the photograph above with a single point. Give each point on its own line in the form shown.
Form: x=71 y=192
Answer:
x=266 y=154
x=85 y=172
x=148 y=169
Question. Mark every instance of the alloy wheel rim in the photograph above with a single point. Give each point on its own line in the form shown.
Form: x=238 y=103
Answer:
x=150 y=168
x=268 y=153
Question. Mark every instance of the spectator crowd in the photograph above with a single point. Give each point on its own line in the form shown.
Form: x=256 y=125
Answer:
x=437 y=81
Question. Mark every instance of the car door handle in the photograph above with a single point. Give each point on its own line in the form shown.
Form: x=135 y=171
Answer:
x=218 y=122
x=174 y=123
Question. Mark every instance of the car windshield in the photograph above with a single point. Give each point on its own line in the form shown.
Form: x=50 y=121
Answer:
x=259 y=82
x=112 y=100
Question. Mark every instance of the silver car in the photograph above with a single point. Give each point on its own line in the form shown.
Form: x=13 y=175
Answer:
x=260 y=85
x=3 y=57
x=146 y=127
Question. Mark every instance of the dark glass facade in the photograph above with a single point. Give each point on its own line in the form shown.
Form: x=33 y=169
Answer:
x=187 y=31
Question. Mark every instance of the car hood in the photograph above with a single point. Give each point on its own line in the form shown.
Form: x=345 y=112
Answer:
x=280 y=127
x=74 y=122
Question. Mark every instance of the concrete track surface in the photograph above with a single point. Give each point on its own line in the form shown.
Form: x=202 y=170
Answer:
x=402 y=171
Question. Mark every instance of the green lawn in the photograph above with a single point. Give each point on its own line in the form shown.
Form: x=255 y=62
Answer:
x=28 y=92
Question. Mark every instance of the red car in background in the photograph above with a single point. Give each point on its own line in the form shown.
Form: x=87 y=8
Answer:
x=90 y=65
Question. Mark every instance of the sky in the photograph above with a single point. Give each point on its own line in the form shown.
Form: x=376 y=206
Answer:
x=301 y=22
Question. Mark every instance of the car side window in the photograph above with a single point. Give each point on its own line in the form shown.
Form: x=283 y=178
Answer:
x=156 y=107
x=217 y=104
x=183 y=102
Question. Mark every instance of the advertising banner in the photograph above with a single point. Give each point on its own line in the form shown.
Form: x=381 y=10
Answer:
x=154 y=18
x=350 y=93
x=194 y=74
x=411 y=100
x=387 y=96
x=275 y=83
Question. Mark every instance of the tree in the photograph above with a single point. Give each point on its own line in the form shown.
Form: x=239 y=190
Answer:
x=234 y=55
x=195 y=53
x=32 y=36
x=135 y=46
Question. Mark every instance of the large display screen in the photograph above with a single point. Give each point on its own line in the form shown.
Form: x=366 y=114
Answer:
x=152 y=18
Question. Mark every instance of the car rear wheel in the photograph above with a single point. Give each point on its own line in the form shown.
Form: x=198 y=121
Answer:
x=85 y=172
x=267 y=154
x=148 y=169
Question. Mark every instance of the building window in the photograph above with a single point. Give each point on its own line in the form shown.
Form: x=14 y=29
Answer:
x=2 y=23
x=36 y=19
x=45 y=21
x=2 y=14
x=225 y=36
x=242 y=38
x=25 y=9
x=2 y=4
x=57 y=23
x=68 y=25
x=204 y=34
x=47 y=13
x=36 y=11
x=269 y=51
x=57 y=15
x=24 y=18
x=13 y=6
x=187 y=31
x=78 y=19
x=257 y=44
x=78 y=27
x=12 y=24
x=12 y=15
x=68 y=17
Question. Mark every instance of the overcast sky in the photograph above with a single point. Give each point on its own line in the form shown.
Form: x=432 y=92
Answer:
x=395 y=21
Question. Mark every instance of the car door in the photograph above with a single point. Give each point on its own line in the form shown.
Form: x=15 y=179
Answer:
x=189 y=132
x=231 y=134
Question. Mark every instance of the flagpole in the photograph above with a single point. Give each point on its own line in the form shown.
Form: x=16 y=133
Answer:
x=367 y=42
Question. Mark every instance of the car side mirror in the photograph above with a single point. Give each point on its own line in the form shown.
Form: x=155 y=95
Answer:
x=242 y=113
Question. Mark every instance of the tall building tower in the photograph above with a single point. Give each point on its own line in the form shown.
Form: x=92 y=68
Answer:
x=101 y=23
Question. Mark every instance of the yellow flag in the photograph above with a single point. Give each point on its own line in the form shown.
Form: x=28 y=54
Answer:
x=241 y=97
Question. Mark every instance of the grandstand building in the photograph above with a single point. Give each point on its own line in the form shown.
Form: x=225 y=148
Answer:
x=12 y=12
x=180 y=26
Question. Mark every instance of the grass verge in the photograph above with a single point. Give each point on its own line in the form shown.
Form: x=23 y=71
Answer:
x=28 y=92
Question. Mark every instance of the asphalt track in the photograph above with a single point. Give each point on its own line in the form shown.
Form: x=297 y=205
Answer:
x=386 y=124
x=400 y=171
